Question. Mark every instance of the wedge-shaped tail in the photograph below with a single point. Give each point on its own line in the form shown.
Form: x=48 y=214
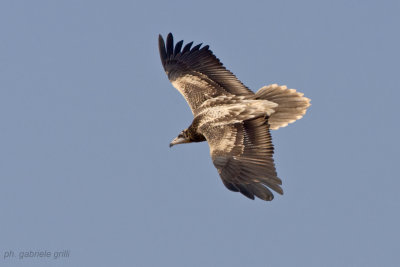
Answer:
x=292 y=105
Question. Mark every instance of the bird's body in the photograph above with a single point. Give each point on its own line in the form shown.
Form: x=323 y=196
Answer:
x=231 y=118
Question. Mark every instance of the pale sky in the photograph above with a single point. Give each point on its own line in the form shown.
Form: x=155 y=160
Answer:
x=87 y=114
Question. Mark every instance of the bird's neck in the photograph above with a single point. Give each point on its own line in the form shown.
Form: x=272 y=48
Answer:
x=194 y=135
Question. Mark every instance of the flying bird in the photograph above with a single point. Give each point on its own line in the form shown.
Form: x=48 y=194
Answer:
x=230 y=117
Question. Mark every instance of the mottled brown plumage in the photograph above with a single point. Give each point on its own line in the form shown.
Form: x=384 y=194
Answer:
x=232 y=119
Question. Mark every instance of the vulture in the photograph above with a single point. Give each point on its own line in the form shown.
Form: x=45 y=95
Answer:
x=235 y=121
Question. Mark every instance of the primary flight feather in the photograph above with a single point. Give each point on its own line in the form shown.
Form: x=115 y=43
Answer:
x=230 y=117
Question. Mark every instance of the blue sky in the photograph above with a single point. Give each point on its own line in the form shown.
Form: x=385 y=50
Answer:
x=87 y=113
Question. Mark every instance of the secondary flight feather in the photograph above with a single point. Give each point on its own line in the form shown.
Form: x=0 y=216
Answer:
x=230 y=117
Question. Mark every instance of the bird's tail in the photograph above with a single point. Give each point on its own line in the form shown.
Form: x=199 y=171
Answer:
x=292 y=105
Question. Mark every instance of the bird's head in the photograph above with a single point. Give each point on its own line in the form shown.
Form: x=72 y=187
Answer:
x=182 y=138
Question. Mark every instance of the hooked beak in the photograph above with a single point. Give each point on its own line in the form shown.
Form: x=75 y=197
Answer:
x=178 y=140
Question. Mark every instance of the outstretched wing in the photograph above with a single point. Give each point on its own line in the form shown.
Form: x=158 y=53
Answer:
x=242 y=153
x=197 y=73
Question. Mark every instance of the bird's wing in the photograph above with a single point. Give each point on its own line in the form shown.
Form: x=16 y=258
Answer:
x=242 y=153
x=197 y=73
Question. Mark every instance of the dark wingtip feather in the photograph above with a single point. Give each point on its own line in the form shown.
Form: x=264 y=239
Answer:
x=245 y=191
x=230 y=186
x=196 y=47
x=170 y=44
x=161 y=48
x=205 y=48
x=178 y=47
x=187 y=47
x=269 y=198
